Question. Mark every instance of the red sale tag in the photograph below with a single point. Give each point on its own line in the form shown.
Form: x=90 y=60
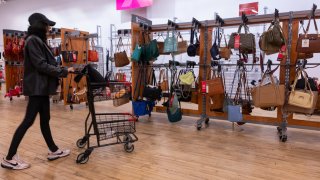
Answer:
x=237 y=42
x=203 y=86
x=74 y=56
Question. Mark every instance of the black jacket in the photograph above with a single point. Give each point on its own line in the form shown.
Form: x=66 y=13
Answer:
x=41 y=71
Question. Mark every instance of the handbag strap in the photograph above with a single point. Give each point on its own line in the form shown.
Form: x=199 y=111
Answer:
x=119 y=44
x=315 y=25
x=307 y=84
x=246 y=28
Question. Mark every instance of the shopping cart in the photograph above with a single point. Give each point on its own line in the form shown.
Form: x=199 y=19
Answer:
x=109 y=128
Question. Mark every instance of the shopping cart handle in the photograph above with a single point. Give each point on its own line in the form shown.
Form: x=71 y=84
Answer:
x=98 y=84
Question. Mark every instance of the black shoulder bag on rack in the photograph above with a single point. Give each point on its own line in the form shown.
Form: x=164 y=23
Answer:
x=214 y=51
x=152 y=91
x=193 y=48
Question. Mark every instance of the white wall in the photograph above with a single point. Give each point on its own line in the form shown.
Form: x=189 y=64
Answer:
x=87 y=14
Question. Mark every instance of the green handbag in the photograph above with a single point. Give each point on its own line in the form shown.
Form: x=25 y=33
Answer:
x=153 y=46
x=170 y=43
x=136 y=55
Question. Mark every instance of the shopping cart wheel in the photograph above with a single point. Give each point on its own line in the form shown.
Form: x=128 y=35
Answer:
x=206 y=121
x=279 y=129
x=199 y=126
x=81 y=143
x=71 y=106
x=283 y=138
x=10 y=98
x=128 y=147
x=83 y=158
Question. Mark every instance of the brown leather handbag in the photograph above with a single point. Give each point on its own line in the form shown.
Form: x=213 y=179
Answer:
x=216 y=103
x=120 y=57
x=268 y=95
x=272 y=40
x=163 y=80
x=225 y=52
x=309 y=43
x=215 y=84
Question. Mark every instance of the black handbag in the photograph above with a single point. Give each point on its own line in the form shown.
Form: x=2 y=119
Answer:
x=214 y=51
x=152 y=92
x=301 y=84
x=193 y=48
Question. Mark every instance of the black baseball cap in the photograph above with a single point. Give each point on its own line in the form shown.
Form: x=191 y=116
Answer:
x=38 y=17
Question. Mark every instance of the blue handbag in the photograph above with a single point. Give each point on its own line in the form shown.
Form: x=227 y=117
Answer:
x=170 y=43
x=141 y=108
x=234 y=113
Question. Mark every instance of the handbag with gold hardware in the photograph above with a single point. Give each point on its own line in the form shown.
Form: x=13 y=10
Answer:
x=309 y=43
x=302 y=98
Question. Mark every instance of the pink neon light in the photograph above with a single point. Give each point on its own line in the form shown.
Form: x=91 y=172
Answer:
x=132 y=4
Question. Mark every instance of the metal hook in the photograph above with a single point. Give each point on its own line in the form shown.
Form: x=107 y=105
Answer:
x=244 y=18
x=314 y=7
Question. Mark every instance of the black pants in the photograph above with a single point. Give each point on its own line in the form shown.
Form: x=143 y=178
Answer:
x=36 y=104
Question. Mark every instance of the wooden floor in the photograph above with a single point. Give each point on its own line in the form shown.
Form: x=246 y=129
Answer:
x=164 y=150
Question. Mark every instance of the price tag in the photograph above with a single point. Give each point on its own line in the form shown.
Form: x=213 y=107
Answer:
x=203 y=86
x=305 y=43
x=193 y=85
x=74 y=56
x=237 y=42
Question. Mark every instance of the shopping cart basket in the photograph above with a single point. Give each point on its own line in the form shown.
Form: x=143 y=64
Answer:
x=109 y=128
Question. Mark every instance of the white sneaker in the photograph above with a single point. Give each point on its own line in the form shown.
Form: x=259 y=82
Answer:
x=16 y=163
x=58 y=154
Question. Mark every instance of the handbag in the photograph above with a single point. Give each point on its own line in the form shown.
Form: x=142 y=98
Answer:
x=187 y=78
x=174 y=112
x=302 y=98
x=272 y=40
x=69 y=55
x=8 y=48
x=194 y=97
x=163 y=80
x=215 y=84
x=225 y=52
x=141 y=108
x=81 y=95
x=121 y=101
x=268 y=95
x=151 y=91
x=120 y=57
x=194 y=47
x=246 y=43
x=182 y=44
x=234 y=113
x=214 y=50
x=170 y=43
x=136 y=55
x=93 y=55
x=216 y=103
x=309 y=43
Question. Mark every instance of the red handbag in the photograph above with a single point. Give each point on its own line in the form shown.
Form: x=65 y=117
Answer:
x=93 y=55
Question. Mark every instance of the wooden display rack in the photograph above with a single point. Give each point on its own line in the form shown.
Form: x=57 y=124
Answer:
x=14 y=64
x=79 y=42
x=232 y=22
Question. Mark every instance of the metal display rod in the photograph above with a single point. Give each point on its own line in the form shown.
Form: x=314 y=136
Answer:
x=259 y=19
